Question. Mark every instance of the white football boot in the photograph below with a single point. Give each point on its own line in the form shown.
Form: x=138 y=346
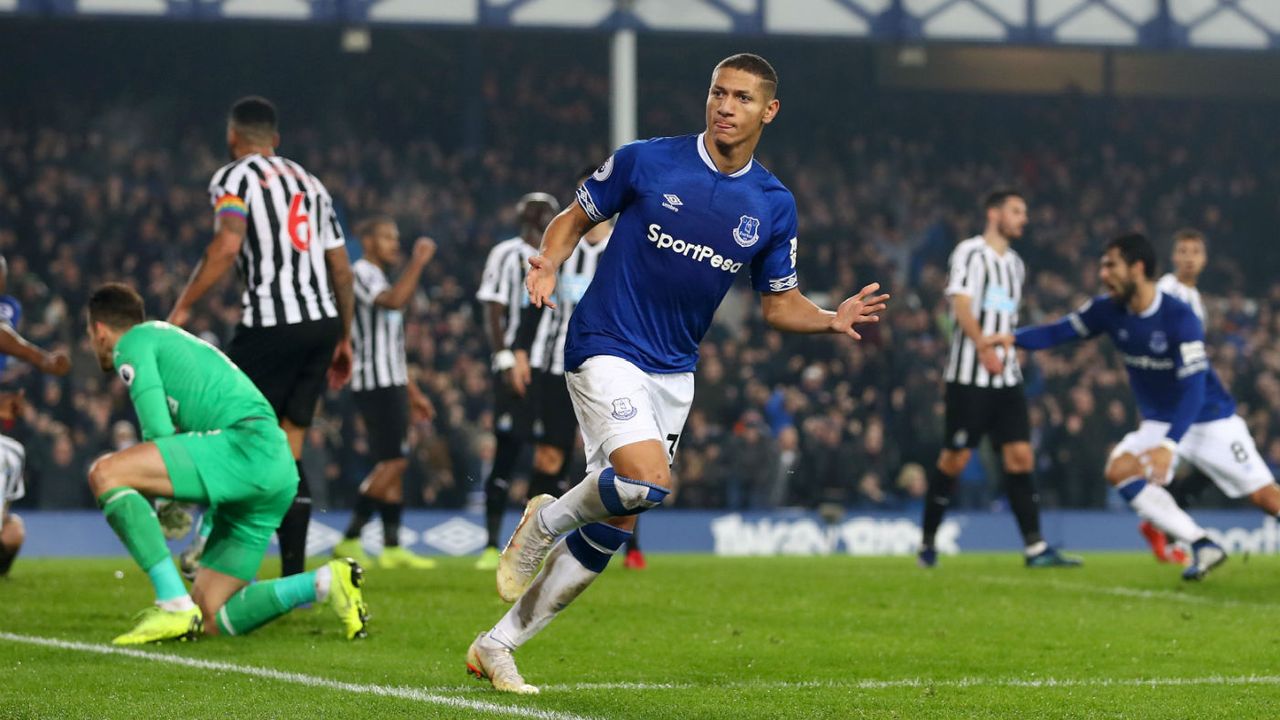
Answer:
x=491 y=660
x=525 y=551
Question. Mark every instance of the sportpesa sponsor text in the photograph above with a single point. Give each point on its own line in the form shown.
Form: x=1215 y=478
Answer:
x=693 y=251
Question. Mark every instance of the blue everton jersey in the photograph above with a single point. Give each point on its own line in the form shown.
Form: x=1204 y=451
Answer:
x=1161 y=346
x=11 y=315
x=684 y=231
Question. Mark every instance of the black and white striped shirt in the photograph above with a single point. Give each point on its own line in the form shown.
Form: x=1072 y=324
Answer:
x=377 y=335
x=290 y=224
x=503 y=281
x=12 y=459
x=993 y=282
x=547 y=351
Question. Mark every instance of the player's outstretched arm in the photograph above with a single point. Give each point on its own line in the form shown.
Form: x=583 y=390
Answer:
x=791 y=311
x=228 y=236
x=558 y=241
x=1039 y=337
x=13 y=344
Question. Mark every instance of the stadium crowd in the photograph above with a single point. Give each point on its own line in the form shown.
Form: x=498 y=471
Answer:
x=116 y=190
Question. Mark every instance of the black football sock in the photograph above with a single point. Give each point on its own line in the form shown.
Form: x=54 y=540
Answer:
x=391 y=513
x=360 y=515
x=633 y=542
x=498 y=485
x=936 y=500
x=293 y=530
x=1024 y=501
x=6 y=559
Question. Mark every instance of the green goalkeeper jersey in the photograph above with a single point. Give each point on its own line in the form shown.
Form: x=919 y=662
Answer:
x=180 y=383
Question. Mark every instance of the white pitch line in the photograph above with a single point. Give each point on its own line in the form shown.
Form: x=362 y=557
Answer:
x=404 y=693
x=432 y=695
x=961 y=683
x=1128 y=592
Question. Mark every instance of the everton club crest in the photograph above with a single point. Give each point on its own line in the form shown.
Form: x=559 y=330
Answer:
x=747 y=232
x=623 y=409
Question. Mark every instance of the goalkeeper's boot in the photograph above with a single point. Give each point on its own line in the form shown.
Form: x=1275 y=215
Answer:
x=398 y=557
x=488 y=559
x=525 y=551
x=1206 y=555
x=490 y=660
x=155 y=624
x=346 y=598
x=351 y=548
x=1050 y=557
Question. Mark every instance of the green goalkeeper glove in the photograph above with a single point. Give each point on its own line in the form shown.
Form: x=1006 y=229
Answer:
x=175 y=518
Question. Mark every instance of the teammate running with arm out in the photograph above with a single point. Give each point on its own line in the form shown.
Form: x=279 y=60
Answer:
x=211 y=438
x=692 y=211
x=1186 y=411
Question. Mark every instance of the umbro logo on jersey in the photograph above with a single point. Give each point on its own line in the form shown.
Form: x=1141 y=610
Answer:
x=672 y=202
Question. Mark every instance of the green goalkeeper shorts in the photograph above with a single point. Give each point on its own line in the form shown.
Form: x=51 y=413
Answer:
x=246 y=473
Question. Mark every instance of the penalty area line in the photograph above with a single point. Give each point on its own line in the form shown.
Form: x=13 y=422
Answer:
x=426 y=696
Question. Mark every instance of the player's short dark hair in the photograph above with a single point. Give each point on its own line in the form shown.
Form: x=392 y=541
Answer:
x=754 y=64
x=254 y=114
x=1189 y=233
x=367 y=226
x=116 y=305
x=1135 y=247
x=998 y=197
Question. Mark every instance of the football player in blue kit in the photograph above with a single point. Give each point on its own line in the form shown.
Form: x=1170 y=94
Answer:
x=1186 y=411
x=693 y=211
x=12 y=454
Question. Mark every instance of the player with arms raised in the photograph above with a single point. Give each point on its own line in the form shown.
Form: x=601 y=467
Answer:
x=692 y=212
x=1186 y=411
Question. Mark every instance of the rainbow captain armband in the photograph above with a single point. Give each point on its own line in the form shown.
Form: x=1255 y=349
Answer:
x=230 y=205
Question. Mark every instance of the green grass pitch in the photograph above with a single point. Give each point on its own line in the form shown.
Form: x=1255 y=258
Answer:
x=691 y=637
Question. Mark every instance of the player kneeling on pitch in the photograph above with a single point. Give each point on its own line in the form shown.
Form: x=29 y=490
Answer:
x=211 y=438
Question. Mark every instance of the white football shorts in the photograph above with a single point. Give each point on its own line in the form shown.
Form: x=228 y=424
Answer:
x=618 y=404
x=1222 y=449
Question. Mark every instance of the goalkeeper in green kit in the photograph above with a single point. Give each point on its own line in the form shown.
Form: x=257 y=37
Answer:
x=211 y=438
